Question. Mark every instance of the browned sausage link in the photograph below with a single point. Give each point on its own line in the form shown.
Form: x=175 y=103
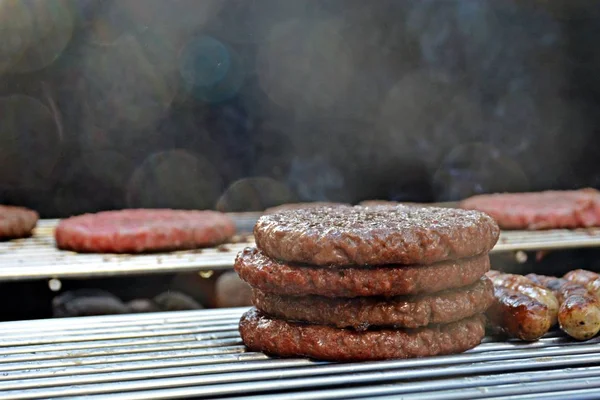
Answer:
x=579 y=312
x=549 y=282
x=581 y=276
x=525 y=286
x=589 y=279
x=518 y=315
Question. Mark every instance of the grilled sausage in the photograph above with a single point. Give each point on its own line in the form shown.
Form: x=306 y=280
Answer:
x=589 y=279
x=579 y=312
x=525 y=286
x=518 y=315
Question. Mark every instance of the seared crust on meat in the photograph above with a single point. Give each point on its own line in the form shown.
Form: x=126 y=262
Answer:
x=289 y=339
x=518 y=315
x=362 y=312
x=17 y=222
x=360 y=236
x=272 y=276
x=579 y=312
x=527 y=287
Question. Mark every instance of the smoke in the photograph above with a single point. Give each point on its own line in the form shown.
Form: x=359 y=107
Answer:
x=242 y=104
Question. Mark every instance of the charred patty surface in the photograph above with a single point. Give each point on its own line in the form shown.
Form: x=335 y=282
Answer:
x=290 y=339
x=278 y=277
x=362 y=312
x=344 y=236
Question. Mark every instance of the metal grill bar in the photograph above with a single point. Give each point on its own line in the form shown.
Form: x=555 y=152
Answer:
x=148 y=356
x=468 y=388
x=38 y=258
x=585 y=394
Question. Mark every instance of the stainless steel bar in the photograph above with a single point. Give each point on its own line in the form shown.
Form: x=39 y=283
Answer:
x=126 y=344
x=532 y=388
x=135 y=350
x=134 y=319
x=65 y=360
x=14 y=341
x=150 y=329
x=109 y=333
x=582 y=394
x=49 y=376
x=447 y=385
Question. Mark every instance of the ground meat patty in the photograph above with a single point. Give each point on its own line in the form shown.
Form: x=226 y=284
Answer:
x=289 y=339
x=137 y=231
x=276 y=277
x=361 y=312
x=542 y=210
x=375 y=235
x=302 y=206
x=16 y=222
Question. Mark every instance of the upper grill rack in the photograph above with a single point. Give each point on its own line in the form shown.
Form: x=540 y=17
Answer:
x=38 y=258
x=198 y=354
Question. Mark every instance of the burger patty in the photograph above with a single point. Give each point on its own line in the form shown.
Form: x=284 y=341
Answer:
x=302 y=206
x=543 y=210
x=361 y=312
x=290 y=339
x=16 y=222
x=343 y=236
x=278 y=277
x=137 y=231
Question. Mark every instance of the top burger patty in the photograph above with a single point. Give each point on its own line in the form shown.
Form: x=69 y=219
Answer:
x=343 y=236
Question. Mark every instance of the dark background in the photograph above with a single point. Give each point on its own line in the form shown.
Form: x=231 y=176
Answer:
x=245 y=104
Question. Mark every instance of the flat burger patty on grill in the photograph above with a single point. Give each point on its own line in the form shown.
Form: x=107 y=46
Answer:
x=362 y=312
x=542 y=210
x=140 y=230
x=343 y=236
x=16 y=222
x=278 y=277
x=289 y=339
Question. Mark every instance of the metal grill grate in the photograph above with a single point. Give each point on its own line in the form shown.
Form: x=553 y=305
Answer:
x=198 y=354
x=556 y=239
x=38 y=258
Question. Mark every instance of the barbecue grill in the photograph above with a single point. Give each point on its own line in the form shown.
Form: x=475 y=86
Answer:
x=38 y=258
x=199 y=354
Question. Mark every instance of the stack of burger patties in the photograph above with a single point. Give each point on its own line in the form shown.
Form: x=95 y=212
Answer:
x=368 y=283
